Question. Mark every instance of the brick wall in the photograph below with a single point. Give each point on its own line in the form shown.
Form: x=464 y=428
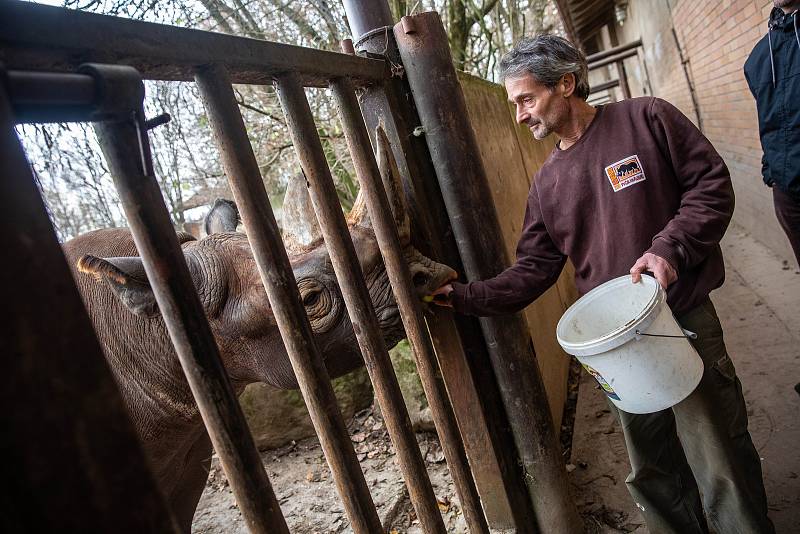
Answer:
x=716 y=38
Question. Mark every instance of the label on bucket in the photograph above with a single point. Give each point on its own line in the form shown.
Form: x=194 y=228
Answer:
x=602 y=381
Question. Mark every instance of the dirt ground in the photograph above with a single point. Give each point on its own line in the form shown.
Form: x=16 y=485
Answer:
x=758 y=306
x=306 y=492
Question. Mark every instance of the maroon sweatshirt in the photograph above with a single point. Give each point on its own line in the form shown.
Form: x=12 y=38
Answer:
x=642 y=178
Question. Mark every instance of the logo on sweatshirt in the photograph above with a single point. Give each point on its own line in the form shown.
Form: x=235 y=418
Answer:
x=625 y=172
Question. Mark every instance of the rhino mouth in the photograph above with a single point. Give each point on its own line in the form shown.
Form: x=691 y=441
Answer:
x=391 y=326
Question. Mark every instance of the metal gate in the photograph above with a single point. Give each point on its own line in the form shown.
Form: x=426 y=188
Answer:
x=122 y=132
x=86 y=74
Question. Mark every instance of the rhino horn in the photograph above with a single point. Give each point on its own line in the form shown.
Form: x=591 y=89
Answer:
x=358 y=215
x=299 y=222
x=390 y=176
x=126 y=278
x=393 y=184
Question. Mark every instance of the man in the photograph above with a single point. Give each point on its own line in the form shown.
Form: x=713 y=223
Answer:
x=634 y=187
x=773 y=74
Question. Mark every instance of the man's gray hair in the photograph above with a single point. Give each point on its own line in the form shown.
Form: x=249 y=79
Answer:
x=547 y=58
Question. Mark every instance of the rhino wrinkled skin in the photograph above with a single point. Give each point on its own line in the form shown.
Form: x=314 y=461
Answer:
x=118 y=298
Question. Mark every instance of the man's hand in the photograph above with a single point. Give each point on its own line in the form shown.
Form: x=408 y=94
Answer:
x=441 y=296
x=661 y=269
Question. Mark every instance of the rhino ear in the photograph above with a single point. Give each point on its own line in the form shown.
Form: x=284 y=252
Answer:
x=126 y=278
x=393 y=184
x=300 y=226
x=222 y=218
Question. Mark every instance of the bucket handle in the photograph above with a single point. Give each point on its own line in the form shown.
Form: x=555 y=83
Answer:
x=687 y=334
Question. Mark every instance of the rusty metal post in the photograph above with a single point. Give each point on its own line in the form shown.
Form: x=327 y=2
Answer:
x=127 y=151
x=69 y=449
x=364 y=16
x=276 y=273
x=354 y=290
x=444 y=116
x=622 y=76
x=407 y=300
x=460 y=346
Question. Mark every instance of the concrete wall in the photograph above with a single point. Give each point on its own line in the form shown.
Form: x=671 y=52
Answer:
x=716 y=38
x=511 y=156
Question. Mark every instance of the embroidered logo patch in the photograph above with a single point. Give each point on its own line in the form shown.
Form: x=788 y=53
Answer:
x=625 y=172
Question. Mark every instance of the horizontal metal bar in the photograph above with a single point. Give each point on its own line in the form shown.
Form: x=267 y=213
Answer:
x=613 y=51
x=97 y=92
x=52 y=38
x=613 y=59
x=32 y=90
x=603 y=86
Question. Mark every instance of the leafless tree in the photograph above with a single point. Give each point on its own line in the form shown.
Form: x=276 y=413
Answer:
x=75 y=180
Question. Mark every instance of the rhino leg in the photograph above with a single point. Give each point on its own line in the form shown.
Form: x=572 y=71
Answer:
x=186 y=493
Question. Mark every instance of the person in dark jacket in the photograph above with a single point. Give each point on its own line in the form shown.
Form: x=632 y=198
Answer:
x=634 y=186
x=773 y=74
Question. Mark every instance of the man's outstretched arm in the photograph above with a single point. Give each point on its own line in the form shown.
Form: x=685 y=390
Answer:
x=537 y=266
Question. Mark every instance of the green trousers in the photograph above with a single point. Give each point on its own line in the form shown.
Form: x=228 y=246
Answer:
x=698 y=455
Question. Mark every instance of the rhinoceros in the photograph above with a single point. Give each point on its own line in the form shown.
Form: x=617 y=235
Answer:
x=120 y=302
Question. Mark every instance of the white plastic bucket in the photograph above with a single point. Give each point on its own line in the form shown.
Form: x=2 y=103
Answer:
x=624 y=334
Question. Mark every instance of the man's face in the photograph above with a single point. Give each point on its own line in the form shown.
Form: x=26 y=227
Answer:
x=540 y=108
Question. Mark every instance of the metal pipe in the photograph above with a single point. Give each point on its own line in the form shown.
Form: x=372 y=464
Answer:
x=622 y=76
x=48 y=37
x=276 y=273
x=613 y=51
x=603 y=86
x=356 y=296
x=462 y=179
x=689 y=82
x=50 y=97
x=407 y=300
x=612 y=59
x=364 y=17
x=86 y=96
x=127 y=151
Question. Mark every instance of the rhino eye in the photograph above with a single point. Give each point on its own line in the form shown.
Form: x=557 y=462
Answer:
x=311 y=298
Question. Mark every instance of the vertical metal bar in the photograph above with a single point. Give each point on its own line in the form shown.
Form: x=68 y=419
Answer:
x=127 y=151
x=364 y=16
x=460 y=345
x=365 y=325
x=276 y=274
x=68 y=444
x=622 y=76
x=443 y=112
x=407 y=300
